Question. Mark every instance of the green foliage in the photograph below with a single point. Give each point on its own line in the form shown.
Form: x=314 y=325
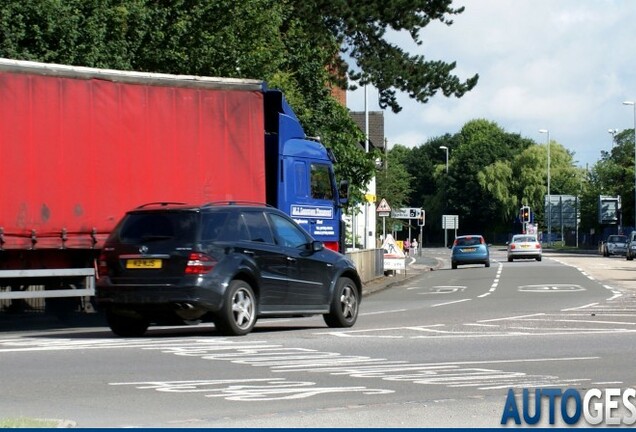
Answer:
x=27 y=422
x=172 y=36
x=481 y=204
x=612 y=175
x=492 y=173
x=393 y=181
x=359 y=27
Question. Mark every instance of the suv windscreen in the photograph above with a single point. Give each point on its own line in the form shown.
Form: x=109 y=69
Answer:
x=158 y=226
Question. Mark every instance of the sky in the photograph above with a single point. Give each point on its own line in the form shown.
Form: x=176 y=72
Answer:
x=561 y=65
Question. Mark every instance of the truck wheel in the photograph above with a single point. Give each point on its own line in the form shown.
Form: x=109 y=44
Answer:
x=126 y=324
x=238 y=315
x=629 y=257
x=344 y=305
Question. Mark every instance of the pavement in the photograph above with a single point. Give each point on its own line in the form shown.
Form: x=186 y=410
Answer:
x=414 y=267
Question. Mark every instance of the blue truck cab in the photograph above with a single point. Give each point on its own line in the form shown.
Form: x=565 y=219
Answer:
x=303 y=170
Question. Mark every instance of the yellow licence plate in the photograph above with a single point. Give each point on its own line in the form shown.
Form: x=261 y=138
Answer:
x=144 y=263
x=469 y=250
x=525 y=246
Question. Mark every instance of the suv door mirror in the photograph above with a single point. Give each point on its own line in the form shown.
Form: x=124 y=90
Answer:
x=317 y=246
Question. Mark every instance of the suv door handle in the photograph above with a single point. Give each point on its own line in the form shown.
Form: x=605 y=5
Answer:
x=290 y=259
x=248 y=252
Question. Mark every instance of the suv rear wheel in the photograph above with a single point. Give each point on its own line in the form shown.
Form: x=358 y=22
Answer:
x=344 y=306
x=126 y=324
x=238 y=315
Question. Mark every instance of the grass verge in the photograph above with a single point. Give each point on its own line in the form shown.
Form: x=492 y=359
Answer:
x=25 y=422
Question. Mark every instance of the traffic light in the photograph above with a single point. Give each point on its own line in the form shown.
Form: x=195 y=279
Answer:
x=422 y=219
x=525 y=214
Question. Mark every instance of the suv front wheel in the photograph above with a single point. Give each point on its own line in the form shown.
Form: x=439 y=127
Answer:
x=344 y=306
x=238 y=315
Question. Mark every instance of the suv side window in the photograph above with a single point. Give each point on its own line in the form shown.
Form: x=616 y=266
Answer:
x=258 y=227
x=287 y=234
x=213 y=225
x=234 y=229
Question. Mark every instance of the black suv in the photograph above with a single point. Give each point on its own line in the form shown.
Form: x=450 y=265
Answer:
x=229 y=263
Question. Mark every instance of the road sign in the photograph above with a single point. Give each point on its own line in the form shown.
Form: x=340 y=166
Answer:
x=394 y=258
x=450 y=222
x=383 y=209
x=383 y=206
x=407 y=213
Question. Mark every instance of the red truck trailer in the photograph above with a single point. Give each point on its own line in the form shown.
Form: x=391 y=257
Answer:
x=80 y=146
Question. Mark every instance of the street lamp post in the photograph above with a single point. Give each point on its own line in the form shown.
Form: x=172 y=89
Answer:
x=545 y=131
x=445 y=191
x=446 y=149
x=634 y=108
x=613 y=133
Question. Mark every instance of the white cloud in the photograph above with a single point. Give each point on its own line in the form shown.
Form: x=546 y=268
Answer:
x=562 y=65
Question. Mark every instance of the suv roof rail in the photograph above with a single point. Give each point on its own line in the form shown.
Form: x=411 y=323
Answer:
x=236 y=202
x=160 y=203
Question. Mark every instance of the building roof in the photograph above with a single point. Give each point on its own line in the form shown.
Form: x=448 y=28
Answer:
x=376 y=127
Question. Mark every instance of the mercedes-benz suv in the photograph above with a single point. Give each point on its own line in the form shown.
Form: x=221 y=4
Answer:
x=227 y=263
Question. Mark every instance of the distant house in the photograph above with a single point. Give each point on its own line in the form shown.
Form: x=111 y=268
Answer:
x=376 y=127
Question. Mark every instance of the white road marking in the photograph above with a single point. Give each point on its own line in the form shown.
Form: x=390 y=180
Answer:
x=544 y=288
x=440 y=289
x=249 y=390
x=451 y=302
x=511 y=318
x=579 y=307
x=276 y=358
x=383 y=312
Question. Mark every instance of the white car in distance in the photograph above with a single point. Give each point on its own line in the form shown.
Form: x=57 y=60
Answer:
x=524 y=246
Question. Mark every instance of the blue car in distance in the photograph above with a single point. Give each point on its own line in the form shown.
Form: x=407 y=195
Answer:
x=470 y=249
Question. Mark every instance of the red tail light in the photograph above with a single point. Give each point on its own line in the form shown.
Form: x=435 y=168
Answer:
x=512 y=246
x=537 y=245
x=102 y=266
x=199 y=263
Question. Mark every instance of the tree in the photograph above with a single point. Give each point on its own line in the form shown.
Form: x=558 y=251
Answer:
x=427 y=165
x=612 y=175
x=360 y=28
x=393 y=182
x=482 y=143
